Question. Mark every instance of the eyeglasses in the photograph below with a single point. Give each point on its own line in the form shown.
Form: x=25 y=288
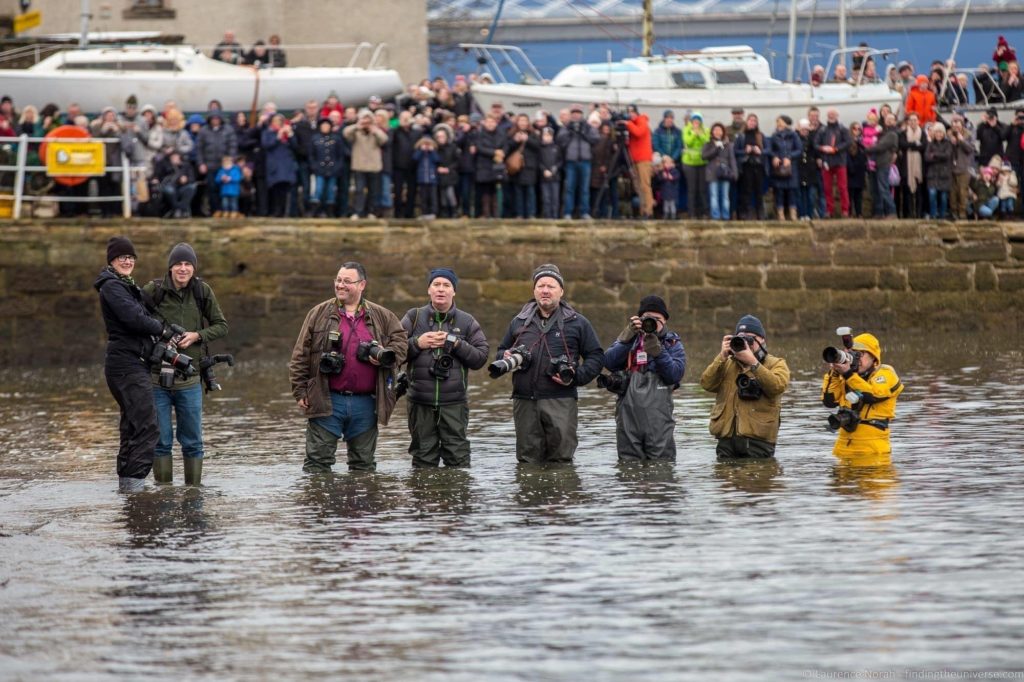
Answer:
x=125 y=259
x=348 y=282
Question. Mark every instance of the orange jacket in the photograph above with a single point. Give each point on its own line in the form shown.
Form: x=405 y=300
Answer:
x=640 y=148
x=922 y=103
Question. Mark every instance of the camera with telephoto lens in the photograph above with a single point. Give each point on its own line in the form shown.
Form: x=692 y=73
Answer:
x=372 y=349
x=333 y=361
x=741 y=342
x=844 y=355
x=616 y=382
x=562 y=368
x=748 y=388
x=442 y=365
x=206 y=373
x=166 y=353
x=518 y=358
x=845 y=419
x=649 y=325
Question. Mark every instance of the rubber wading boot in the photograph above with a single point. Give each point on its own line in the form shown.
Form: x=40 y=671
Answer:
x=193 y=470
x=130 y=485
x=163 y=469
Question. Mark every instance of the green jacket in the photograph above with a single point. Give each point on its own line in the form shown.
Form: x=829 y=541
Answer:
x=751 y=418
x=179 y=307
x=693 y=143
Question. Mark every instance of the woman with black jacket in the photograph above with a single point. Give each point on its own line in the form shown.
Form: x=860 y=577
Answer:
x=523 y=140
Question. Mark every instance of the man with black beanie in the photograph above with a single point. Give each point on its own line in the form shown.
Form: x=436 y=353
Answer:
x=130 y=332
x=647 y=362
x=182 y=298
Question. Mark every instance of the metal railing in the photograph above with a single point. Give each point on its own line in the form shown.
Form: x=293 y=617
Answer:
x=487 y=57
x=21 y=169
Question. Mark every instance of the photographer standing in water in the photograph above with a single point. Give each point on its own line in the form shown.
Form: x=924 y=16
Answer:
x=748 y=384
x=130 y=332
x=182 y=298
x=864 y=391
x=342 y=372
x=444 y=344
x=551 y=350
x=648 y=362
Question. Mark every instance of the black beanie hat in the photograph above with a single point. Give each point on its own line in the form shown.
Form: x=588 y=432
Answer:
x=182 y=252
x=750 y=325
x=447 y=273
x=549 y=270
x=653 y=304
x=119 y=246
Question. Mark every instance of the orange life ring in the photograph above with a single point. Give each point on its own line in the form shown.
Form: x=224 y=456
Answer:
x=64 y=131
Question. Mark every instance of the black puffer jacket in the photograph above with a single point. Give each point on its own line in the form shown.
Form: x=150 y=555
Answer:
x=129 y=325
x=568 y=333
x=471 y=353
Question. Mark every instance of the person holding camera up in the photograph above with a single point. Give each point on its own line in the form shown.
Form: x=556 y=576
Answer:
x=342 y=372
x=576 y=140
x=748 y=384
x=444 y=344
x=552 y=349
x=641 y=151
x=183 y=299
x=863 y=392
x=130 y=332
x=647 y=362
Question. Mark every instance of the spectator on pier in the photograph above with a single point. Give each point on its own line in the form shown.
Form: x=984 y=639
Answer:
x=695 y=136
x=1003 y=52
x=921 y=101
x=991 y=135
x=278 y=58
x=938 y=156
x=228 y=49
x=783 y=154
x=749 y=149
x=832 y=142
x=963 y=160
x=576 y=141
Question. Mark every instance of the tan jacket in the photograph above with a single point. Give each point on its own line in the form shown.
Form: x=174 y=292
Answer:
x=751 y=418
x=366 y=154
x=304 y=366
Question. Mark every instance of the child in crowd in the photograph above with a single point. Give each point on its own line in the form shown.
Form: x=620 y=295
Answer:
x=984 y=192
x=550 y=167
x=1008 y=186
x=426 y=159
x=669 y=176
x=229 y=179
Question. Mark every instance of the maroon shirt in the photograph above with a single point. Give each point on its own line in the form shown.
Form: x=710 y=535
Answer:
x=357 y=377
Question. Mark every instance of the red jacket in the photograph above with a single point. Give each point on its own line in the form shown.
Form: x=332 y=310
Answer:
x=640 y=148
x=922 y=103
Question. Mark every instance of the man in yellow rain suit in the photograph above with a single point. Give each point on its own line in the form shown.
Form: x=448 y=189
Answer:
x=865 y=394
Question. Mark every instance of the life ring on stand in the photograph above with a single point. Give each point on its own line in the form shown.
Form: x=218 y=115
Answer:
x=65 y=131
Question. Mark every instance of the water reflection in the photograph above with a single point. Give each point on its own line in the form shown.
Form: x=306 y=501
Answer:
x=444 y=490
x=755 y=476
x=548 y=487
x=165 y=516
x=869 y=476
x=351 y=495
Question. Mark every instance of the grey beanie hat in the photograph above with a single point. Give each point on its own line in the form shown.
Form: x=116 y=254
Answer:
x=549 y=270
x=182 y=252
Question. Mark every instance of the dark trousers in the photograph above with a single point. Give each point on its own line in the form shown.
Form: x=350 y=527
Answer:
x=545 y=429
x=857 y=201
x=439 y=434
x=697 y=191
x=212 y=190
x=140 y=431
x=428 y=199
x=279 y=192
x=742 y=446
x=367 y=189
x=344 y=180
x=466 y=203
x=751 y=191
x=405 y=192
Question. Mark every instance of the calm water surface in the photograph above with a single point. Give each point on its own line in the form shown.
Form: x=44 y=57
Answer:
x=696 y=570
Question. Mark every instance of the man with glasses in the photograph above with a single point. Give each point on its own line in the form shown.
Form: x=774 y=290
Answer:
x=342 y=372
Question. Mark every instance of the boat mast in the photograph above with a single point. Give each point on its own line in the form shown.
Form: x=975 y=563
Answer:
x=83 y=39
x=791 y=44
x=648 y=27
x=842 y=29
x=956 y=46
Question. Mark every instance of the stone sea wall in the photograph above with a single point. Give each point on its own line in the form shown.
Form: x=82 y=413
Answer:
x=798 y=277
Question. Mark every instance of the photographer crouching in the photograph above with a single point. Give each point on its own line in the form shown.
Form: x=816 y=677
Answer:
x=130 y=332
x=748 y=384
x=182 y=298
x=863 y=393
x=647 y=362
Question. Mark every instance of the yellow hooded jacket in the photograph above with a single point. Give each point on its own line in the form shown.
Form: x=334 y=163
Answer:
x=877 y=404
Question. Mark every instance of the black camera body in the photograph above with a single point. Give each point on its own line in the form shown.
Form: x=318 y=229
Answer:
x=519 y=358
x=741 y=342
x=649 y=325
x=372 y=349
x=562 y=368
x=616 y=382
x=441 y=368
x=333 y=361
x=206 y=372
x=165 y=352
x=845 y=419
x=401 y=384
x=748 y=388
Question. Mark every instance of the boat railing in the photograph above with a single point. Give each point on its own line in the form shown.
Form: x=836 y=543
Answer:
x=18 y=196
x=838 y=56
x=375 y=55
x=37 y=52
x=487 y=57
x=978 y=76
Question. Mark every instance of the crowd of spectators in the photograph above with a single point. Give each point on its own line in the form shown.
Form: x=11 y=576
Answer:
x=431 y=152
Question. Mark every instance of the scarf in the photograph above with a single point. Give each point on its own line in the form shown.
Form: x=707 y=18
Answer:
x=915 y=167
x=127 y=279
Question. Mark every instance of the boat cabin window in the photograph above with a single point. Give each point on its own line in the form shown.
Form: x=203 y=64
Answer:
x=688 y=79
x=119 y=66
x=732 y=77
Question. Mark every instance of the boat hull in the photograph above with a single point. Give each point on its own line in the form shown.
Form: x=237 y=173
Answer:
x=767 y=101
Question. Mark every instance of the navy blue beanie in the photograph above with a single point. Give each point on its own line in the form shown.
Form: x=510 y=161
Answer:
x=750 y=325
x=447 y=273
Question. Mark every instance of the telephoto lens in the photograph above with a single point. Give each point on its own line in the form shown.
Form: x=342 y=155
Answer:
x=649 y=325
x=518 y=357
x=836 y=356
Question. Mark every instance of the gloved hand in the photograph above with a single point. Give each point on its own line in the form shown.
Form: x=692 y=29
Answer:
x=652 y=345
x=629 y=333
x=170 y=331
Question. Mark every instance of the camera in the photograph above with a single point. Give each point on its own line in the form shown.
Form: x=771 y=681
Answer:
x=839 y=356
x=562 y=368
x=373 y=349
x=333 y=362
x=442 y=365
x=518 y=358
x=401 y=384
x=845 y=419
x=164 y=352
x=649 y=325
x=206 y=373
x=740 y=343
x=616 y=382
x=171 y=332
x=166 y=375
x=748 y=388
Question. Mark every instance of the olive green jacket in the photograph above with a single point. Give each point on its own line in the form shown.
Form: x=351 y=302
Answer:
x=304 y=366
x=179 y=307
x=751 y=418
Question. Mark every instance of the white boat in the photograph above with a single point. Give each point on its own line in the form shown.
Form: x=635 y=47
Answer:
x=713 y=81
x=98 y=77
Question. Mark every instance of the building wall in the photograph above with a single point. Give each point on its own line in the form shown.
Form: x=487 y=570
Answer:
x=402 y=24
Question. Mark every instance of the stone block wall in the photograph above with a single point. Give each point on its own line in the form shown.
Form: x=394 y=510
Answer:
x=798 y=277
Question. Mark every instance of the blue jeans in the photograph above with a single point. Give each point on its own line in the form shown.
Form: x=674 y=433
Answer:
x=351 y=415
x=577 y=179
x=808 y=202
x=526 y=201
x=988 y=209
x=719 y=191
x=228 y=204
x=324 y=190
x=938 y=202
x=384 y=198
x=884 y=199
x=188 y=410
x=1008 y=206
